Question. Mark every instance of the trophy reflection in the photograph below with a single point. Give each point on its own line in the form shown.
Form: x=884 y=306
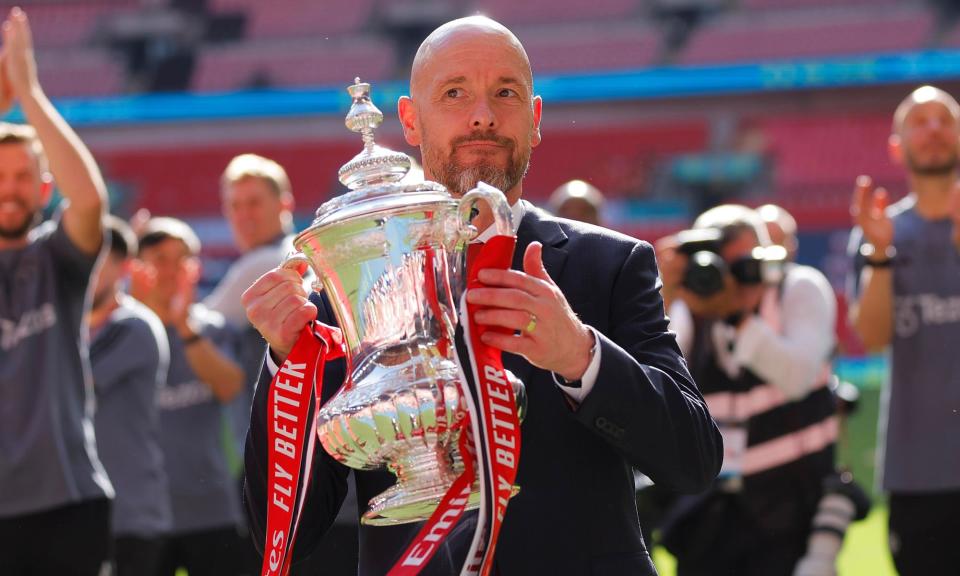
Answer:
x=391 y=258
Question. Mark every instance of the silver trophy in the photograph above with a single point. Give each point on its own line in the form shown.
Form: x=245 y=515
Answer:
x=391 y=257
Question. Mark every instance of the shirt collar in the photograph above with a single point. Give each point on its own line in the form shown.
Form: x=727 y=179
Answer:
x=517 y=210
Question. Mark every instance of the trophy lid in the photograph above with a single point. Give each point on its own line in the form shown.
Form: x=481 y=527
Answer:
x=374 y=175
x=375 y=164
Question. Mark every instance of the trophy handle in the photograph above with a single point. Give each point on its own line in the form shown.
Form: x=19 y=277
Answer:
x=502 y=215
x=294 y=260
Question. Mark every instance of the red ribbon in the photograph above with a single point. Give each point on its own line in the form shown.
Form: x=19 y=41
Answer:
x=490 y=430
x=292 y=405
x=501 y=424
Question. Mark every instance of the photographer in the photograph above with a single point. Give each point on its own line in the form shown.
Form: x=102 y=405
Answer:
x=758 y=342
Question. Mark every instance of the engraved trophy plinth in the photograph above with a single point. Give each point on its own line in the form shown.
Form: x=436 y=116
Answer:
x=391 y=258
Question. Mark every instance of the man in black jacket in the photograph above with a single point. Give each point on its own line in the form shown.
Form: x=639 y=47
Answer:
x=607 y=387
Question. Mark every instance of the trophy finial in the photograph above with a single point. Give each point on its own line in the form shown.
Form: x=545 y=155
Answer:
x=364 y=117
x=374 y=164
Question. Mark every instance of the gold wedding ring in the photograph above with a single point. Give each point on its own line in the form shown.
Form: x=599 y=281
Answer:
x=531 y=325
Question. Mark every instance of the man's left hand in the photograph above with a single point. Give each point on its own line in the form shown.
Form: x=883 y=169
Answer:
x=549 y=334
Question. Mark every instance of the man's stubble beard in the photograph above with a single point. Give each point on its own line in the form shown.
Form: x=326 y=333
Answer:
x=944 y=168
x=460 y=179
x=19 y=231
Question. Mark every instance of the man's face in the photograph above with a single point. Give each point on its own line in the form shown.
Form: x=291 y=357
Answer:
x=929 y=138
x=172 y=264
x=473 y=114
x=21 y=190
x=742 y=244
x=255 y=212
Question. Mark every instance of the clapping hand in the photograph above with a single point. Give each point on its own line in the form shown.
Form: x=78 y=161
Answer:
x=869 y=211
x=18 y=67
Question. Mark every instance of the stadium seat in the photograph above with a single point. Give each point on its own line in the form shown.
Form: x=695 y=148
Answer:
x=586 y=47
x=80 y=72
x=293 y=63
x=512 y=12
x=60 y=24
x=759 y=35
x=299 y=18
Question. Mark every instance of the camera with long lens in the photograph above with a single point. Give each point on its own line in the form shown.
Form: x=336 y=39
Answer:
x=706 y=270
x=843 y=502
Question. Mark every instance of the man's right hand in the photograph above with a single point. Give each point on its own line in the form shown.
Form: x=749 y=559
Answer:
x=19 y=65
x=278 y=307
x=869 y=211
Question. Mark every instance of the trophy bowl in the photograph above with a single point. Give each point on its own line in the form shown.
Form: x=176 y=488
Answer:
x=390 y=256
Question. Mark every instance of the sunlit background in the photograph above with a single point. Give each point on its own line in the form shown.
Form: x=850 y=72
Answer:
x=667 y=106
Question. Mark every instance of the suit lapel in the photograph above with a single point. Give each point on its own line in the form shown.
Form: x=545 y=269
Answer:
x=538 y=225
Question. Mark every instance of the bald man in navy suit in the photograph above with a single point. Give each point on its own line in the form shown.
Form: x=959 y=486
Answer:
x=608 y=389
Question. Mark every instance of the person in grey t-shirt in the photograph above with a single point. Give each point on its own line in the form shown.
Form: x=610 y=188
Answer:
x=130 y=355
x=54 y=507
x=907 y=258
x=256 y=201
x=203 y=377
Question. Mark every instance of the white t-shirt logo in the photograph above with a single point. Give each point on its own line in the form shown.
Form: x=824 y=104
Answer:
x=32 y=322
x=912 y=312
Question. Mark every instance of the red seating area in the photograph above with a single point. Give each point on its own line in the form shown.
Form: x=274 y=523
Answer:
x=513 y=12
x=786 y=4
x=184 y=180
x=817 y=159
x=305 y=42
x=821 y=148
x=292 y=63
x=80 y=73
x=71 y=23
x=68 y=63
x=589 y=47
x=770 y=35
x=299 y=18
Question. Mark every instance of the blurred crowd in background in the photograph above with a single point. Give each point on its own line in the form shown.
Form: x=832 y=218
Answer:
x=804 y=221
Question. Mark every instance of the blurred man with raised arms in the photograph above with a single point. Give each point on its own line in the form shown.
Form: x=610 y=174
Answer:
x=907 y=266
x=54 y=507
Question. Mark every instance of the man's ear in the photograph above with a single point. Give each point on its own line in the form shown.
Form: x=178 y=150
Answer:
x=537 y=115
x=895 y=149
x=407 y=112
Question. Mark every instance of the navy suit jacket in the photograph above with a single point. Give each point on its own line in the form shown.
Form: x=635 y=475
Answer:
x=576 y=512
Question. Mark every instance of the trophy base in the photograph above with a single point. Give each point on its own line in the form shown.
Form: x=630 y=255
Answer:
x=417 y=493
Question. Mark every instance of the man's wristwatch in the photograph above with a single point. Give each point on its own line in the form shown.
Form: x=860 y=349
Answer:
x=876 y=259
